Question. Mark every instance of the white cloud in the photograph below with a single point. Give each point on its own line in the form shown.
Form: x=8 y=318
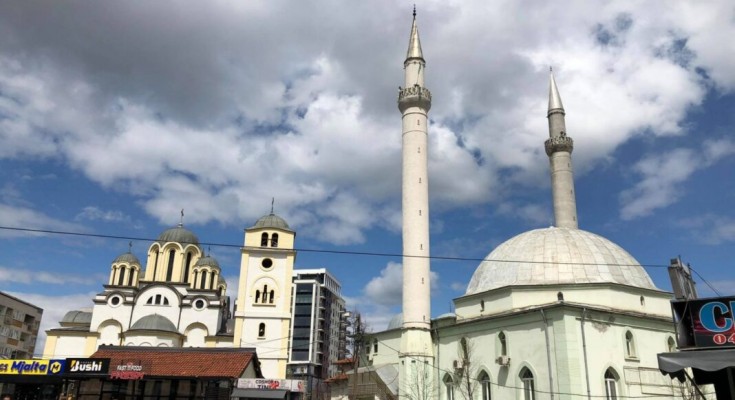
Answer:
x=387 y=288
x=16 y=275
x=662 y=176
x=92 y=213
x=710 y=229
x=27 y=218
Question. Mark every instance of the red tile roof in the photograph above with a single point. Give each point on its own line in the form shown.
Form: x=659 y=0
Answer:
x=188 y=362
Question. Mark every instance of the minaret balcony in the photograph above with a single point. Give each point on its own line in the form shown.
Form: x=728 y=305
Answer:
x=559 y=143
x=414 y=96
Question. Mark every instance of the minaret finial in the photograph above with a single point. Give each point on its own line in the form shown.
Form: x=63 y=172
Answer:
x=273 y=201
x=181 y=221
x=414 y=44
x=554 y=98
x=414 y=11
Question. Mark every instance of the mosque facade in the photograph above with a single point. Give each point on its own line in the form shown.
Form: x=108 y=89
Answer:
x=552 y=313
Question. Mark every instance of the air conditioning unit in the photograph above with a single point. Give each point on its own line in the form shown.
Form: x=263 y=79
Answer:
x=457 y=364
x=504 y=361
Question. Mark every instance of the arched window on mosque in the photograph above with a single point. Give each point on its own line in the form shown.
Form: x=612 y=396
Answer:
x=264 y=240
x=274 y=240
x=560 y=296
x=670 y=345
x=170 y=268
x=484 y=380
x=527 y=384
x=261 y=330
x=503 y=344
x=630 y=351
x=611 y=384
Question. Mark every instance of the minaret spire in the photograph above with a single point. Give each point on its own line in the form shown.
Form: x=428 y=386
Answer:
x=559 y=148
x=414 y=102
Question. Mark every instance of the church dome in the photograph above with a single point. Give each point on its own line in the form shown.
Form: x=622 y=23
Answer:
x=179 y=234
x=271 y=221
x=154 y=322
x=129 y=258
x=77 y=317
x=207 y=261
x=557 y=256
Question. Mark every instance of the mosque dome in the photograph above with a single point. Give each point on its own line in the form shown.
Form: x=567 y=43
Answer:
x=271 y=221
x=179 y=234
x=396 y=322
x=128 y=257
x=154 y=322
x=207 y=261
x=557 y=256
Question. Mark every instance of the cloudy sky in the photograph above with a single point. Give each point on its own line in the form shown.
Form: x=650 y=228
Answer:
x=114 y=116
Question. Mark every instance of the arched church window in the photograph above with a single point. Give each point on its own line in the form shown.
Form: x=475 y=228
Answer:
x=264 y=240
x=272 y=296
x=130 y=277
x=257 y=296
x=212 y=284
x=630 y=350
x=121 y=276
x=165 y=301
x=611 y=384
x=170 y=268
x=449 y=386
x=265 y=294
x=261 y=330
x=189 y=256
x=671 y=345
x=503 y=344
x=527 y=384
x=484 y=380
x=150 y=300
x=274 y=240
x=158 y=299
x=203 y=282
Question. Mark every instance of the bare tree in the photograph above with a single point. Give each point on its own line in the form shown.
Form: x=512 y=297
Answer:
x=418 y=381
x=465 y=370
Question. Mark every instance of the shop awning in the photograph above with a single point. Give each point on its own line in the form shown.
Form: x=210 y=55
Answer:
x=258 y=393
x=673 y=364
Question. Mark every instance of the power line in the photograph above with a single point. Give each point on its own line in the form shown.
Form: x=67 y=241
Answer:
x=326 y=251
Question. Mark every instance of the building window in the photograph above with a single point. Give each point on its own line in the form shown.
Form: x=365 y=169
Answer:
x=274 y=240
x=170 y=269
x=482 y=305
x=629 y=345
x=484 y=380
x=560 y=296
x=529 y=392
x=375 y=346
x=264 y=240
x=186 y=269
x=261 y=330
x=449 y=385
x=272 y=296
x=503 y=344
x=257 y=296
x=203 y=282
x=121 y=276
x=267 y=263
x=130 y=277
x=611 y=385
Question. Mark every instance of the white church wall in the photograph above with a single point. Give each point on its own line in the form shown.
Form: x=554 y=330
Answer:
x=106 y=312
x=195 y=335
x=209 y=317
x=170 y=311
x=109 y=333
x=388 y=343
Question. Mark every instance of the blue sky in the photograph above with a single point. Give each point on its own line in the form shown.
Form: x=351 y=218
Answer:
x=115 y=116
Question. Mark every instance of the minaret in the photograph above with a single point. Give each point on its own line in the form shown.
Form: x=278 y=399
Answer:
x=559 y=148
x=414 y=101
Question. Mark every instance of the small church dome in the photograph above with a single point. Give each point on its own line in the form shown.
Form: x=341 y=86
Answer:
x=128 y=257
x=272 y=221
x=557 y=256
x=207 y=261
x=77 y=317
x=154 y=322
x=179 y=234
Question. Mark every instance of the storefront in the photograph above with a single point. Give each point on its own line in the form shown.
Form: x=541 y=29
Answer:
x=289 y=389
x=705 y=331
x=31 y=379
x=158 y=373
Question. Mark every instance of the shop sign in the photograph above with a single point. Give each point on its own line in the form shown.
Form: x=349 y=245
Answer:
x=81 y=366
x=708 y=322
x=292 y=385
x=31 y=367
x=130 y=370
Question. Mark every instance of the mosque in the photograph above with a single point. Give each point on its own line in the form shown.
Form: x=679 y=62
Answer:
x=552 y=313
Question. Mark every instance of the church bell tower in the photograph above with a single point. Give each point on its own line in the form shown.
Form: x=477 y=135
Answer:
x=414 y=102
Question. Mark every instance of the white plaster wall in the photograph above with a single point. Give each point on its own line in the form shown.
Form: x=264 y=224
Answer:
x=195 y=336
x=70 y=346
x=105 y=312
x=170 y=311
x=209 y=317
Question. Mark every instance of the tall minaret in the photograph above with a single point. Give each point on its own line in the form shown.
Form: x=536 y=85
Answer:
x=559 y=148
x=414 y=101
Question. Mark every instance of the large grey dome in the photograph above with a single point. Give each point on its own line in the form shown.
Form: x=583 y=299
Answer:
x=155 y=322
x=557 y=256
x=207 y=261
x=179 y=234
x=129 y=258
x=271 y=221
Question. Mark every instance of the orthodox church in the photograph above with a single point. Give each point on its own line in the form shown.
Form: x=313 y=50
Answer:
x=552 y=313
x=180 y=300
